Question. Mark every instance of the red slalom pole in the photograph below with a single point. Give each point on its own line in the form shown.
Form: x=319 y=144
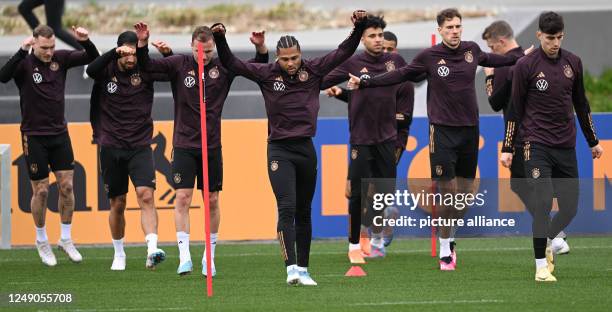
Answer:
x=433 y=188
x=205 y=193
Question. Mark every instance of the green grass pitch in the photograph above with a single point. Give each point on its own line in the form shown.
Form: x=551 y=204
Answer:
x=493 y=274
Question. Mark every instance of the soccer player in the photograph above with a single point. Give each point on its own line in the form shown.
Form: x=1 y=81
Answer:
x=41 y=79
x=290 y=87
x=547 y=87
x=187 y=154
x=403 y=117
x=125 y=129
x=373 y=153
x=54 y=9
x=453 y=113
x=500 y=39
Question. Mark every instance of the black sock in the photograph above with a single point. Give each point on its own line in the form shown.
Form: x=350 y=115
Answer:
x=452 y=246
x=539 y=247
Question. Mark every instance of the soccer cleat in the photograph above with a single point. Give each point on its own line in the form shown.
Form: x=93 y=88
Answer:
x=447 y=264
x=154 y=258
x=293 y=276
x=118 y=263
x=454 y=258
x=550 y=259
x=377 y=252
x=560 y=246
x=305 y=279
x=364 y=243
x=45 y=253
x=544 y=275
x=212 y=267
x=68 y=247
x=356 y=257
x=185 y=268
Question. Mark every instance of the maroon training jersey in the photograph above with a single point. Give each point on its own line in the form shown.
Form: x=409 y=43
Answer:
x=545 y=93
x=451 y=92
x=42 y=86
x=292 y=101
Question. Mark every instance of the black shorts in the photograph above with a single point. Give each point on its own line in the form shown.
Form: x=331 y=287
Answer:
x=44 y=151
x=186 y=162
x=542 y=162
x=373 y=161
x=453 y=151
x=118 y=164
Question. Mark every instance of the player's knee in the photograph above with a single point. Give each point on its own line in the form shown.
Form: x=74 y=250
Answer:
x=145 y=195
x=182 y=201
x=66 y=187
x=118 y=203
x=42 y=191
x=214 y=201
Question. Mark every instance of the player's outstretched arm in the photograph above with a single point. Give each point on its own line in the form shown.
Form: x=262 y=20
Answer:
x=258 y=39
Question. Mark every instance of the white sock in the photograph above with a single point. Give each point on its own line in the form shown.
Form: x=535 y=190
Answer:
x=66 y=228
x=213 y=244
x=561 y=235
x=41 y=234
x=541 y=263
x=182 y=239
x=354 y=247
x=377 y=240
x=118 y=245
x=557 y=241
x=302 y=269
x=291 y=267
x=445 y=247
x=151 y=240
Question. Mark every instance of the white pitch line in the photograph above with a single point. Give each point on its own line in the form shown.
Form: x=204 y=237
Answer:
x=428 y=302
x=23 y=283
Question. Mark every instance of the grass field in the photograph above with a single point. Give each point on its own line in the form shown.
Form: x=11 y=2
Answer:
x=492 y=275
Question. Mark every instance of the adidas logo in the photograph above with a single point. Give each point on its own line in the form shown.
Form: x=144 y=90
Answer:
x=442 y=62
x=191 y=72
x=541 y=75
x=363 y=70
x=279 y=78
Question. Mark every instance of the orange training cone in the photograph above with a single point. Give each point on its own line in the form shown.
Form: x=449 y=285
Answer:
x=355 y=271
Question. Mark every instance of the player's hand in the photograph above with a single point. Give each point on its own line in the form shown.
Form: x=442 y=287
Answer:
x=125 y=51
x=258 y=38
x=353 y=83
x=506 y=159
x=359 y=16
x=27 y=43
x=218 y=28
x=333 y=91
x=529 y=50
x=142 y=32
x=162 y=47
x=597 y=151
x=80 y=33
x=488 y=71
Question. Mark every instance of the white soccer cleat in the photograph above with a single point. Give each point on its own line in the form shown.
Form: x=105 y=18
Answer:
x=544 y=275
x=154 y=258
x=305 y=279
x=68 y=247
x=560 y=246
x=212 y=266
x=550 y=259
x=118 y=263
x=293 y=275
x=45 y=253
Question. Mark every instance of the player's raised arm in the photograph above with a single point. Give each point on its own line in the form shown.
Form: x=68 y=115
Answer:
x=10 y=69
x=82 y=57
x=229 y=60
x=258 y=39
x=325 y=64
